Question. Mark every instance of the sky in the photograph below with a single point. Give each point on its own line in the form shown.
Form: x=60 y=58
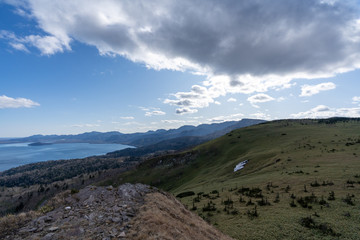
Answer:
x=74 y=66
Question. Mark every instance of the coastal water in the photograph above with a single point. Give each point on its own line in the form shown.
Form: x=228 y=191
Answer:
x=13 y=155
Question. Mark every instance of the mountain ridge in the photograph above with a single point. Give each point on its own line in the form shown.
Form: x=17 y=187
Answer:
x=137 y=139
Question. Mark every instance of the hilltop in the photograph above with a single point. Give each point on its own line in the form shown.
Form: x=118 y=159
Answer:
x=126 y=212
x=301 y=180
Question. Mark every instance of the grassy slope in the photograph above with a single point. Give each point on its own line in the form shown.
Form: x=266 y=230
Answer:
x=285 y=153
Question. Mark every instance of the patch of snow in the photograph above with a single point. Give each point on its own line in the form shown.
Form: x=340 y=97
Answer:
x=240 y=165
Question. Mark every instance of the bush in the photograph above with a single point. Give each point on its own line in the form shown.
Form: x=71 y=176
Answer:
x=185 y=194
x=348 y=199
x=292 y=204
x=73 y=191
x=210 y=207
x=324 y=228
x=331 y=196
x=252 y=213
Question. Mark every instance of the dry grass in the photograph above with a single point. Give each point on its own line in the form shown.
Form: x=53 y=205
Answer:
x=11 y=223
x=164 y=217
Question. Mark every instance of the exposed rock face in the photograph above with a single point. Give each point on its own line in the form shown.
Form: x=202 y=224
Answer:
x=127 y=212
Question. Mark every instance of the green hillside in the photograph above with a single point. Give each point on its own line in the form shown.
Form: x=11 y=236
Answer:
x=302 y=180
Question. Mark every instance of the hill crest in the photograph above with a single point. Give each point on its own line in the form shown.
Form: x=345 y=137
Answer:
x=126 y=212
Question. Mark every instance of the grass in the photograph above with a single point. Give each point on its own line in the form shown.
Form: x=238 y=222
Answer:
x=300 y=158
x=162 y=217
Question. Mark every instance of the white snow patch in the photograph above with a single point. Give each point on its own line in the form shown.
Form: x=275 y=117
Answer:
x=240 y=165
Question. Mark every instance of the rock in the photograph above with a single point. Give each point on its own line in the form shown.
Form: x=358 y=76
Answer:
x=52 y=229
x=48 y=236
x=116 y=219
x=28 y=229
x=122 y=235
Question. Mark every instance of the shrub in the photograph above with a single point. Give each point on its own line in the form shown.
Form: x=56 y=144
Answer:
x=234 y=212
x=73 y=191
x=252 y=213
x=209 y=207
x=315 y=184
x=277 y=198
x=249 y=203
x=228 y=202
x=323 y=202
x=185 y=194
x=263 y=202
x=349 y=199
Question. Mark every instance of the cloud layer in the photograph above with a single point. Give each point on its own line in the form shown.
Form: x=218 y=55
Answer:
x=322 y=111
x=8 y=102
x=237 y=38
x=241 y=46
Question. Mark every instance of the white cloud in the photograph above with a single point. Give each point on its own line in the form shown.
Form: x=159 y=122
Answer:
x=198 y=97
x=20 y=47
x=127 y=118
x=133 y=123
x=309 y=90
x=231 y=100
x=173 y=121
x=260 y=98
x=280 y=99
x=286 y=86
x=154 y=113
x=356 y=99
x=322 y=111
x=185 y=110
x=8 y=102
x=232 y=117
x=47 y=45
x=261 y=115
x=86 y=125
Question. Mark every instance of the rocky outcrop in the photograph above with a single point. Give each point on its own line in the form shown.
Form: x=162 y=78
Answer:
x=126 y=212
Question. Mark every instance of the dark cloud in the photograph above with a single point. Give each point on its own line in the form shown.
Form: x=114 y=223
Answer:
x=256 y=37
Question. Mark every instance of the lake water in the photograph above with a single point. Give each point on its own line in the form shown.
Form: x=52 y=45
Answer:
x=13 y=155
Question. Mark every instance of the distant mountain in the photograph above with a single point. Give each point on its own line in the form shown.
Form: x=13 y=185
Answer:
x=179 y=143
x=186 y=139
x=208 y=131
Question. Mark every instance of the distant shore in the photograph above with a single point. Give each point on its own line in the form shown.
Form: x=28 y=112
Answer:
x=39 y=144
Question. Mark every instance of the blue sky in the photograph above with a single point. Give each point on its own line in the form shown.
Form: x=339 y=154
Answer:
x=74 y=66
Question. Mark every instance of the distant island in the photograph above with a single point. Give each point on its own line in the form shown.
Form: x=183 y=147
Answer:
x=39 y=144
